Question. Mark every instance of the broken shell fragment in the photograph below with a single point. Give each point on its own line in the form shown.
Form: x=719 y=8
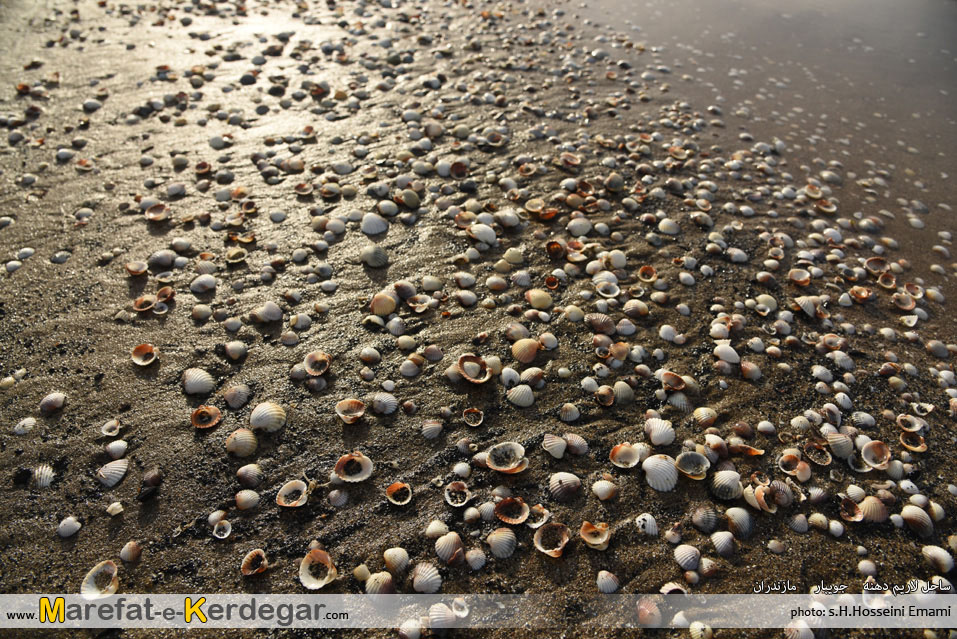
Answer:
x=110 y=474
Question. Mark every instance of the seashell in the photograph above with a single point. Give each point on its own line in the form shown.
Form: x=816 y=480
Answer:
x=353 y=467
x=705 y=519
x=440 y=617
x=293 y=494
x=246 y=499
x=196 y=381
x=817 y=453
x=938 y=558
x=473 y=417
x=384 y=403
x=693 y=465
x=524 y=350
x=604 y=489
x=596 y=536
x=221 y=529
x=876 y=454
x=237 y=396
x=101 y=581
x=426 y=578
x=241 y=442
x=873 y=510
x=507 y=457
x=687 y=557
x=660 y=472
x=250 y=475
x=43 y=476
x=705 y=417
x=521 y=396
x=841 y=445
x=552 y=538
x=449 y=548
x=646 y=524
x=699 y=630
x=648 y=614
x=144 y=354
x=554 y=445
x=396 y=560
x=473 y=368
x=725 y=353
x=373 y=224
x=131 y=551
x=913 y=442
x=317 y=363
x=457 y=494
x=254 y=562
x=626 y=455
x=116 y=449
x=850 y=511
x=314 y=564
x=110 y=474
x=739 y=522
x=563 y=485
x=52 y=403
x=623 y=393
x=512 y=510
x=680 y=401
x=726 y=484
x=600 y=323
x=374 y=256
x=431 y=428
x=723 y=542
x=68 y=527
x=350 y=410
x=607 y=583
x=576 y=444
x=24 y=426
x=379 y=583
x=538 y=516
x=267 y=416
x=205 y=417
x=917 y=520
x=660 y=432
x=798 y=523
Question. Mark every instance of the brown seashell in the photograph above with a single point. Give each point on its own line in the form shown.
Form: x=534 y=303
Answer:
x=552 y=538
x=399 y=493
x=647 y=273
x=596 y=536
x=144 y=354
x=474 y=369
x=512 y=510
x=254 y=562
x=350 y=410
x=913 y=442
x=205 y=417
x=317 y=363
x=473 y=417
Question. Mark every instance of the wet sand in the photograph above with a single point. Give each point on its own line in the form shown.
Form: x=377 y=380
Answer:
x=70 y=325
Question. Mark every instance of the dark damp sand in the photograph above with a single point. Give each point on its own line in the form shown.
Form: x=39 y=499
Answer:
x=56 y=321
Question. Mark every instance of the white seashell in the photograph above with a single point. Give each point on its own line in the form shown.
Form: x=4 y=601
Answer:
x=293 y=494
x=221 y=529
x=725 y=353
x=114 y=509
x=237 y=396
x=449 y=548
x=354 y=467
x=521 y=396
x=723 y=542
x=607 y=583
x=380 y=583
x=241 y=442
x=68 y=527
x=841 y=445
x=569 y=413
x=604 y=489
x=554 y=445
x=203 y=284
x=396 y=560
x=660 y=472
x=726 y=484
x=798 y=523
x=384 y=403
x=116 y=449
x=917 y=520
x=475 y=559
x=312 y=561
x=938 y=558
x=687 y=557
x=739 y=522
x=247 y=499
x=196 y=381
x=563 y=485
x=250 y=475
x=373 y=224
x=437 y=528
x=431 y=428
x=110 y=474
x=43 y=476
x=482 y=233
x=267 y=416
x=660 y=431
x=101 y=581
x=646 y=523
x=24 y=426
x=441 y=617
x=426 y=578
x=52 y=403
x=501 y=542
x=576 y=444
